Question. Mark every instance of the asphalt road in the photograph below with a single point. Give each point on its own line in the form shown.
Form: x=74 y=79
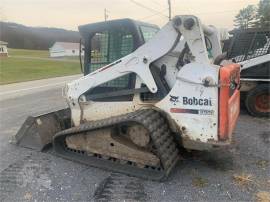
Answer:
x=235 y=173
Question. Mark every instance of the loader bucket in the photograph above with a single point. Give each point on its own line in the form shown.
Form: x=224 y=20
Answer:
x=37 y=132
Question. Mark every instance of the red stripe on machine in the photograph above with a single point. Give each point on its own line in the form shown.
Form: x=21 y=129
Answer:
x=187 y=111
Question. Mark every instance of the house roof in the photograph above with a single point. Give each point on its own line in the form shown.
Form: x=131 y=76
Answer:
x=68 y=45
x=3 y=43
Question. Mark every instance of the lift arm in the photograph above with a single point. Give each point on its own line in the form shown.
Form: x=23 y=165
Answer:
x=138 y=62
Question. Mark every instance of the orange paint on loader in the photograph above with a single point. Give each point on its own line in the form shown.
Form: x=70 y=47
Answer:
x=229 y=100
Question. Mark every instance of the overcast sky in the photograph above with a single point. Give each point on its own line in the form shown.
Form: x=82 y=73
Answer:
x=69 y=14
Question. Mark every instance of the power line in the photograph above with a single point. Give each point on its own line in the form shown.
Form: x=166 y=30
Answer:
x=163 y=15
x=149 y=16
x=150 y=9
x=195 y=13
x=228 y=11
x=155 y=2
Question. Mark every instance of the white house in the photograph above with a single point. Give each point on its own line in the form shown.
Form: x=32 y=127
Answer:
x=3 y=49
x=61 y=49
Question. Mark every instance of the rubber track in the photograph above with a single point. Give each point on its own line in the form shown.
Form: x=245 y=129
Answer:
x=166 y=148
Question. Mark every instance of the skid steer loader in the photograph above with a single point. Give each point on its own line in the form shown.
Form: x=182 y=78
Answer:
x=251 y=49
x=144 y=93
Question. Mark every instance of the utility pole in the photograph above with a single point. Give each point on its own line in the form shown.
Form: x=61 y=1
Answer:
x=106 y=14
x=170 y=9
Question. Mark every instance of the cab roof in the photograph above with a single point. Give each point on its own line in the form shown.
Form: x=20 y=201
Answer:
x=105 y=25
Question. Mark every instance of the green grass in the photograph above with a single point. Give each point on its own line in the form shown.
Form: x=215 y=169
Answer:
x=18 y=69
x=28 y=53
x=37 y=54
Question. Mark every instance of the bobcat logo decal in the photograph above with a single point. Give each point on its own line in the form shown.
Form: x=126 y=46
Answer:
x=174 y=99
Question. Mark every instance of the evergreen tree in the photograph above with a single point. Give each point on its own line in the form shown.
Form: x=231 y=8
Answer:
x=245 y=18
x=263 y=14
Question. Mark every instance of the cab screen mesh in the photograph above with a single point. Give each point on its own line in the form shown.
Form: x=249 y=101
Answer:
x=107 y=47
x=247 y=45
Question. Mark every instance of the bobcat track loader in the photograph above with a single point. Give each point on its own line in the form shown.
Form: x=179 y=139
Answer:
x=144 y=93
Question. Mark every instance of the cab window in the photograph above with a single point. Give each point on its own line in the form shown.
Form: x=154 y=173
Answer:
x=148 y=32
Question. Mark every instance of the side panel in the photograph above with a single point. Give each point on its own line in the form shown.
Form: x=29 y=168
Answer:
x=192 y=105
x=256 y=68
x=100 y=110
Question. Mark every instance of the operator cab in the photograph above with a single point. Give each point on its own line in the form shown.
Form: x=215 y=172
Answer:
x=106 y=42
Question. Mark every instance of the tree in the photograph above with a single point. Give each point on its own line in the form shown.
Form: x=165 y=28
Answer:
x=246 y=17
x=263 y=14
x=224 y=34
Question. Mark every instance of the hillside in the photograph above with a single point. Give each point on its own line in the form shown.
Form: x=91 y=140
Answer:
x=36 y=38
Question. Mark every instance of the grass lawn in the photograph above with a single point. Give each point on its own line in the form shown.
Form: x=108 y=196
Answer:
x=18 y=69
x=22 y=69
x=29 y=53
x=36 y=54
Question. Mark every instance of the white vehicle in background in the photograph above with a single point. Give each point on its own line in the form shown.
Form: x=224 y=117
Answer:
x=251 y=49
